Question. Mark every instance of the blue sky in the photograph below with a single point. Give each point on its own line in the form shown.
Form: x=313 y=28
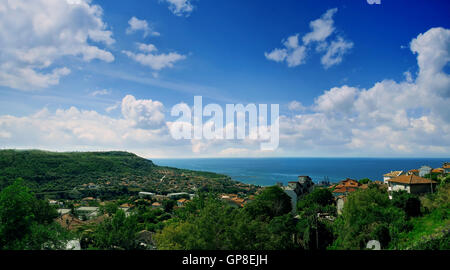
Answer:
x=220 y=49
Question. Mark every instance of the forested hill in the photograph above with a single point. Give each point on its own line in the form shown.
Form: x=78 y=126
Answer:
x=49 y=171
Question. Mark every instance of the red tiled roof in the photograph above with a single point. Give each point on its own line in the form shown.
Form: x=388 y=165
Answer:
x=411 y=180
x=344 y=190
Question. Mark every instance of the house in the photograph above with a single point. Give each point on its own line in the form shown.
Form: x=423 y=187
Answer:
x=89 y=212
x=295 y=190
x=175 y=195
x=127 y=205
x=156 y=205
x=345 y=187
x=233 y=200
x=182 y=202
x=412 y=184
x=413 y=171
x=391 y=175
x=69 y=221
x=446 y=167
x=424 y=170
x=53 y=202
x=62 y=212
x=438 y=171
x=146 y=194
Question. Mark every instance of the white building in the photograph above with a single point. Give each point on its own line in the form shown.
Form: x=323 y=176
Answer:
x=391 y=175
x=146 y=194
x=412 y=184
x=424 y=170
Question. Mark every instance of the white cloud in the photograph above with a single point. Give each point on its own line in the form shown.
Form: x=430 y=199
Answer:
x=406 y=118
x=296 y=106
x=147 y=47
x=140 y=25
x=155 y=61
x=292 y=53
x=141 y=128
x=321 y=29
x=335 y=52
x=336 y=100
x=390 y=118
x=145 y=114
x=180 y=7
x=102 y=92
x=34 y=34
x=277 y=55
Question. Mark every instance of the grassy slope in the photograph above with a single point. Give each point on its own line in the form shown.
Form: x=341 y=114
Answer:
x=432 y=229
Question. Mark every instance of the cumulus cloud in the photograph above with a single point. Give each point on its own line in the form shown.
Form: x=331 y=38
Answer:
x=34 y=34
x=141 y=128
x=148 y=57
x=143 y=113
x=338 y=99
x=140 y=25
x=294 y=53
x=180 y=7
x=390 y=118
x=147 y=47
x=296 y=106
x=321 y=28
x=335 y=52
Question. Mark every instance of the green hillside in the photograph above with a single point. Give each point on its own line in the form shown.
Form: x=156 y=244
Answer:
x=50 y=172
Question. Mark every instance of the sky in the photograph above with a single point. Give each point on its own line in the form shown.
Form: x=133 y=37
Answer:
x=352 y=79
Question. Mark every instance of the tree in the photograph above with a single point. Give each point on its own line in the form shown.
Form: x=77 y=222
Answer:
x=28 y=223
x=313 y=232
x=16 y=216
x=208 y=223
x=272 y=202
x=110 y=208
x=169 y=205
x=117 y=232
x=365 y=181
x=364 y=212
x=321 y=197
x=409 y=203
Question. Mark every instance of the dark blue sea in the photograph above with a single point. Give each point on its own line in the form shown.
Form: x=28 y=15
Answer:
x=269 y=171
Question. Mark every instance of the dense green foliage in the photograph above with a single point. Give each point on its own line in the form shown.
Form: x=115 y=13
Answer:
x=368 y=215
x=27 y=223
x=409 y=203
x=62 y=171
x=272 y=202
x=265 y=222
x=315 y=232
x=207 y=223
x=117 y=232
x=364 y=181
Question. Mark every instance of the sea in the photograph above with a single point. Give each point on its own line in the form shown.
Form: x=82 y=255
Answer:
x=270 y=171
